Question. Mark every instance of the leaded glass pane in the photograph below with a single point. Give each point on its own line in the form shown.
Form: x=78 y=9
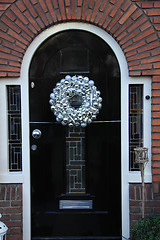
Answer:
x=135 y=122
x=14 y=128
x=75 y=160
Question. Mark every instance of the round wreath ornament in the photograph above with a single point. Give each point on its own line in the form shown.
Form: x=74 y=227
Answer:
x=75 y=101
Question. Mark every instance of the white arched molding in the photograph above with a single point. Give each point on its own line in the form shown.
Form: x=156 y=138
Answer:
x=24 y=177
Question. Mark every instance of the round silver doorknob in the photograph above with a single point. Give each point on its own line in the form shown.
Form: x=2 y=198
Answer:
x=36 y=133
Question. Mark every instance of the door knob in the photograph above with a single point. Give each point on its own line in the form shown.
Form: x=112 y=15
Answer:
x=36 y=133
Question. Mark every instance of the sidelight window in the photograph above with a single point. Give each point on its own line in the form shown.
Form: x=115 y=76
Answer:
x=136 y=112
x=14 y=127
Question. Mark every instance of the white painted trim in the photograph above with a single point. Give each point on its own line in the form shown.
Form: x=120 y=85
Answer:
x=126 y=176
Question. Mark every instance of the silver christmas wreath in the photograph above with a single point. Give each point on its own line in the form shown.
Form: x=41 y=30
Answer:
x=75 y=101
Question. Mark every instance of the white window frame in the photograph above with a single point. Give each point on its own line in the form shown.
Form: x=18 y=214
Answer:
x=135 y=176
x=24 y=176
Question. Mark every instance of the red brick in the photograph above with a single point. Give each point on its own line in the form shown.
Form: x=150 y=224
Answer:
x=31 y=8
x=157 y=4
x=55 y=4
x=25 y=29
x=103 y=5
x=5 y=49
x=3 y=62
x=148 y=47
x=157 y=27
x=135 y=73
x=105 y=14
x=19 y=14
x=4 y=6
x=151 y=72
x=151 y=38
x=62 y=9
x=43 y=5
x=156 y=65
x=84 y=8
x=135 y=46
x=115 y=20
x=89 y=13
x=14 y=74
x=124 y=27
x=51 y=10
x=137 y=23
x=153 y=12
x=130 y=36
x=156 y=51
x=135 y=210
x=147 y=4
x=48 y=16
x=156 y=171
x=143 y=35
x=141 y=67
x=156 y=78
x=128 y=14
x=107 y=22
x=156 y=178
x=68 y=13
x=58 y=15
x=156 y=19
x=156 y=143
x=21 y=6
x=98 y=17
x=32 y=21
x=156 y=165
x=17 y=36
x=116 y=8
x=5 y=36
x=156 y=129
x=151 y=60
x=79 y=4
x=3 y=26
x=136 y=14
x=156 y=150
x=133 y=55
x=91 y=3
x=9 y=57
x=73 y=11
x=67 y=3
x=156 y=187
x=10 y=24
x=14 y=223
x=126 y=5
x=14 y=231
x=41 y=14
x=96 y=6
x=13 y=210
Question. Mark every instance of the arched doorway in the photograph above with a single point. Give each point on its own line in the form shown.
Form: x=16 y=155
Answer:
x=80 y=199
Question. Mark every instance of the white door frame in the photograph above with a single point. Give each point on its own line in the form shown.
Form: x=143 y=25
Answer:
x=23 y=80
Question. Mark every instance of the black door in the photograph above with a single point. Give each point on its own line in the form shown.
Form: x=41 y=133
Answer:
x=75 y=171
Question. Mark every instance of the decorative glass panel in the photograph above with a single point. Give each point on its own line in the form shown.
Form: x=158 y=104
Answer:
x=75 y=162
x=14 y=128
x=135 y=122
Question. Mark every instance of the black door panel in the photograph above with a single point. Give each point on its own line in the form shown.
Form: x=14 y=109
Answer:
x=96 y=212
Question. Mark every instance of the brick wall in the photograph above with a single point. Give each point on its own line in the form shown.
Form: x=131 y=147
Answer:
x=134 y=25
x=152 y=204
x=11 y=209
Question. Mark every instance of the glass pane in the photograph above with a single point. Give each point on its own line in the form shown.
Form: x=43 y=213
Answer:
x=75 y=160
x=135 y=122
x=14 y=128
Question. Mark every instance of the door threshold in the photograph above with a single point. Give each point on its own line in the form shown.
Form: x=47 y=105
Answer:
x=78 y=238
